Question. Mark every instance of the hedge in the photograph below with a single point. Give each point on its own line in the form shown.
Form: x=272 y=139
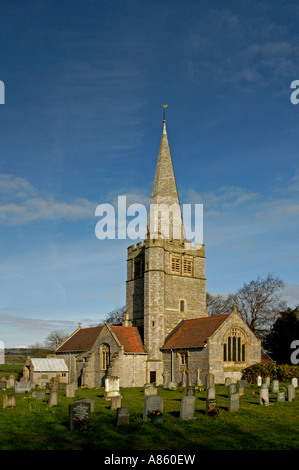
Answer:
x=281 y=372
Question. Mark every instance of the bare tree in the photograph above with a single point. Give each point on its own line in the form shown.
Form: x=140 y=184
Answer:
x=115 y=317
x=219 y=304
x=259 y=302
x=55 y=338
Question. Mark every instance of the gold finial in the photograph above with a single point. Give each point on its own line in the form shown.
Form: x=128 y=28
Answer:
x=164 y=106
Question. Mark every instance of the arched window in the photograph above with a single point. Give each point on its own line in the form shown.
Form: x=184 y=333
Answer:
x=104 y=356
x=234 y=346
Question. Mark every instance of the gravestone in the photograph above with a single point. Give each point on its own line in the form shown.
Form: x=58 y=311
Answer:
x=210 y=405
x=38 y=394
x=264 y=395
x=259 y=381
x=10 y=382
x=53 y=398
x=22 y=387
x=232 y=388
x=291 y=392
x=123 y=417
x=187 y=407
x=111 y=387
x=79 y=411
x=165 y=378
x=242 y=383
x=189 y=391
x=267 y=381
x=115 y=403
x=228 y=381
x=150 y=389
x=280 y=396
x=91 y=401
x=294 y=382
x=209 y=380
x=69 y=390
x=172 y=385
x=150 y=403
x=275 y=386
x=233 y=402
x=211 y=393
x=9 y=401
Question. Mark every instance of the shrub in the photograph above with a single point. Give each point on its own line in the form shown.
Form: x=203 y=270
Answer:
x=281 y=372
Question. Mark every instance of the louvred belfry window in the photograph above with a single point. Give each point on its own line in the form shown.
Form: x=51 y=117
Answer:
x=175 y=265
x=188 y=267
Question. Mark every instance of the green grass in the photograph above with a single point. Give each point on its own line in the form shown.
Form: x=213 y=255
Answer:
x=34 y=426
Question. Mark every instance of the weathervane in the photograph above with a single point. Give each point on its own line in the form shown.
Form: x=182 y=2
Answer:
x=164 y=106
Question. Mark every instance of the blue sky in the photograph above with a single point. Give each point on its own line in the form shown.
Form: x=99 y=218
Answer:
x=82 y=123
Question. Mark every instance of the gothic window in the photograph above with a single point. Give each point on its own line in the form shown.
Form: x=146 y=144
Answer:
x=234 y=346
x=104 y=356
x=188 y=267
x=176 y=265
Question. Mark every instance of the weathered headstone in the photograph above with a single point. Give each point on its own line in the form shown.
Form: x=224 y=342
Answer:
x=79 y=412
x=189 y=391
x=280 y=396
x=294 y=382
x=211 y=393
x=10 y=382
x=123 y=417
x=187 y=407
x=53 y=398
x=233 y=402
x=232 y=388
x=172 y=385
x=264 y=395
x=209 y=380
x=242 y=383
x=91 y=401
x=210 y=405
x=267 y=381
x=259 y=381
x=22 y=387
x=150 y=389
x=38 y=394
x=9 y=401
x=275 y=386
x=291 y=392
x=228 y=381
x=115 y=403
x=150 y=403
x=111 y=387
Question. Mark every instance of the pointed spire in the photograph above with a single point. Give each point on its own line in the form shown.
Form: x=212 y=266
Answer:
x=165 y=217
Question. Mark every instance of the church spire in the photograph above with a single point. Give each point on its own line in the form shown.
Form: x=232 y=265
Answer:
x=165 y=217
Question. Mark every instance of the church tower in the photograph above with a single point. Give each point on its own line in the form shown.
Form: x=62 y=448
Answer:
x=166 y=273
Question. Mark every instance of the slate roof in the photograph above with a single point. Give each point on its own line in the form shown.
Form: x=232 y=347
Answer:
x=194 y=333
x=84 y=339
x=50 y=364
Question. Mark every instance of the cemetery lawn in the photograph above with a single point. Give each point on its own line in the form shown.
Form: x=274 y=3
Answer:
x=34 y=426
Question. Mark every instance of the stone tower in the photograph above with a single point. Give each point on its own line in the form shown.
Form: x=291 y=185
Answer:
x=166 y=273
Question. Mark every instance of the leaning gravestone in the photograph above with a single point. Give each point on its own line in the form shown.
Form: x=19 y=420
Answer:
x=233 y=402
x=53 y=398
x=187 y=407
x=79 y=412
x=22 y=387
x=123 y=417
x=9 y=401
x=264 y=395
x=150 y=403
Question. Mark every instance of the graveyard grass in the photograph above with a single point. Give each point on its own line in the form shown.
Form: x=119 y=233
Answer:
x=34 y=426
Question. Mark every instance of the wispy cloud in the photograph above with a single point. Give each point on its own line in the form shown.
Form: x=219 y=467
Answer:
x=21 y=203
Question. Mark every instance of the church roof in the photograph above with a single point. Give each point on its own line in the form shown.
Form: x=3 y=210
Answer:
x=84 y=338
x=194 y=333
x=49 y=364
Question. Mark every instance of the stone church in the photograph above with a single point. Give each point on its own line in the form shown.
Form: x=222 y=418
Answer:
x=166 y=332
